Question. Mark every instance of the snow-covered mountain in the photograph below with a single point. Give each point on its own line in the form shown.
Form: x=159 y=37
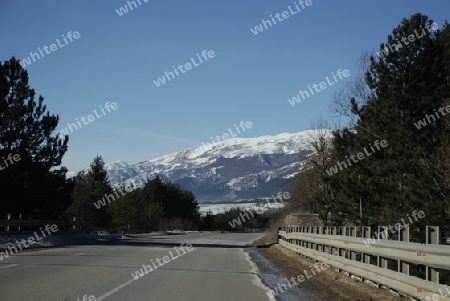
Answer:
x=236 y=169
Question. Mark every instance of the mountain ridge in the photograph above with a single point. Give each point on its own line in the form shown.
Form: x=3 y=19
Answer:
x=231 y=170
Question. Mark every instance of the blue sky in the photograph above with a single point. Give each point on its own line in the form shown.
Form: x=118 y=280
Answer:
x=117 y=58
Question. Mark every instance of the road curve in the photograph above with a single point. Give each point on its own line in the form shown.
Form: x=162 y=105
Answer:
x=215 y=268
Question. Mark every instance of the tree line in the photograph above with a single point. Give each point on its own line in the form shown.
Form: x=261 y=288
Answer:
x=350 y=179
x=401 y=97
x=154 y=206
x=33 y=183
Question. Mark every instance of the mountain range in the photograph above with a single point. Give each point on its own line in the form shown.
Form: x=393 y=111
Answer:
x=234 y=170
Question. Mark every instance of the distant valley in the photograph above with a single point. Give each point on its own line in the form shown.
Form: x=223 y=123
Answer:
x=231 y=171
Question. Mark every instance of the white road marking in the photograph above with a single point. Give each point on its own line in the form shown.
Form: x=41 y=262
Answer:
x=9 y=266
x=114 y=290
x=79 y=254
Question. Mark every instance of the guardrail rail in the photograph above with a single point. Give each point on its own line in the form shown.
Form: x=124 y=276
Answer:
x=341 y=248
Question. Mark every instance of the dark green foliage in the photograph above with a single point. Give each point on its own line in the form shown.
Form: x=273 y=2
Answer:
x=130 y=213
x=208 y=222
x=247 y=219
x=88 y=188
x=409 y=173
x=34 y=185
x=157 y=206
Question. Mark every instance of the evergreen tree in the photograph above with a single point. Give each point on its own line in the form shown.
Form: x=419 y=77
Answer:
x=408 y=83
x=157 y=206
x=130 y=213
x=89 y=188
x=33 y=185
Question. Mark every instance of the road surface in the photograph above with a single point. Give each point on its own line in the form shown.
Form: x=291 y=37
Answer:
x=215 y=268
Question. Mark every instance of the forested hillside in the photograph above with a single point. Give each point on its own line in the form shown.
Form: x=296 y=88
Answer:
x=393 y=157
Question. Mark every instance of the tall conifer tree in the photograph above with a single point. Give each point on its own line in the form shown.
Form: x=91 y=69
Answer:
x=410 y=82
x=34 y=185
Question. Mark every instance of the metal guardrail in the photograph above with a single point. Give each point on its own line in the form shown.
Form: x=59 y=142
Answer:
x=349 y=253
x=28 y=225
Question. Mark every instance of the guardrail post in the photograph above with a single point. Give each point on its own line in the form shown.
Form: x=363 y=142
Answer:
x=403 y=235
x=381 y=261
x=326 y=248
x=319 y=230
x=20 y=218
x=309 y=244
x=365 y=258
x=432 y=258
x=289 y=231
x=313 y=231
x=352 y=232
x=432 y=237
x=341 y=253
x=334 y=250
x=8 y=217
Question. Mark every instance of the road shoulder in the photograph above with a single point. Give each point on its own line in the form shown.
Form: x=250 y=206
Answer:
x=328 y=285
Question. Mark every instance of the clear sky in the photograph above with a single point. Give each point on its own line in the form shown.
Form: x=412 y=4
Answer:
x=250 y=78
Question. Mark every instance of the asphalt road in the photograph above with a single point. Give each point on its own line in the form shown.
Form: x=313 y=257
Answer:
x=215 y=268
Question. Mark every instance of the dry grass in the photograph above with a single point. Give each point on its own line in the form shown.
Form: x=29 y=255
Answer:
x=328 y=285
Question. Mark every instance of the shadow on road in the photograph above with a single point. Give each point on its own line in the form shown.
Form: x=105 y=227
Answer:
x=148 y=243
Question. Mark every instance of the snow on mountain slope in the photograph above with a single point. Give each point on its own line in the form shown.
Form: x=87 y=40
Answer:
x=238 y=168
x=116 y=165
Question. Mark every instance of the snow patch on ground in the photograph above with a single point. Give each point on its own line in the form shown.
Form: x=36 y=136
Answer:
x=255 y=271
x=222 y=208
x=272 y=277
x=52 y=240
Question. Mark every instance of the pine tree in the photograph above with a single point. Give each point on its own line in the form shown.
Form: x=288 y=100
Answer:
x=408 y=83
x=34 y=185
x=89 y=188
x=156 y=206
